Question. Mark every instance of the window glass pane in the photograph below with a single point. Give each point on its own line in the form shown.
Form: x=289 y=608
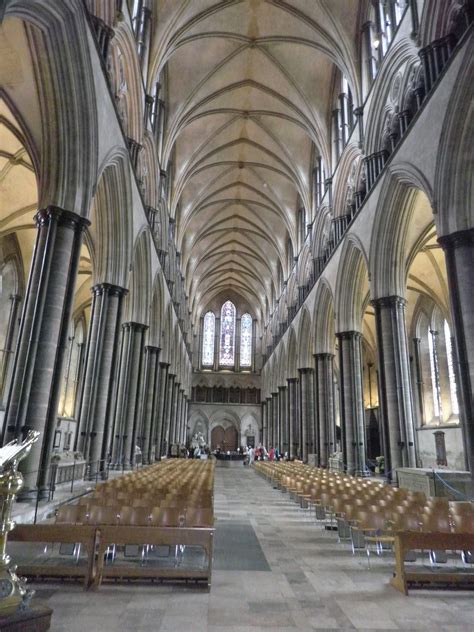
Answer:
x=452 y=378
x=208 y=339
x=433 y=372
x=226 y=353
x=246 y=340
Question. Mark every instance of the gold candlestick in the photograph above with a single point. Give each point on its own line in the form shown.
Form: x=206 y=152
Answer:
x=13 y=591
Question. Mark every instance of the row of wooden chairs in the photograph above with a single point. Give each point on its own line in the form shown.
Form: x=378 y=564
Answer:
x=166 y=494
x=368 y=511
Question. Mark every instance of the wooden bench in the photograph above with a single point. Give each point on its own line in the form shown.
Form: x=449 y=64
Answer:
x=155 y=536
x=88 y=536
x=405 y=541
x=95 y=539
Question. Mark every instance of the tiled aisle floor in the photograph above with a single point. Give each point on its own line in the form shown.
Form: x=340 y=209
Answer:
x=307 y=581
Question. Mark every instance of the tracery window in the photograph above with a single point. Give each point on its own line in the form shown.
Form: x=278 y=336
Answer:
x=227 y=341
x=208 y=339
x=246 y=340
x=452 y=377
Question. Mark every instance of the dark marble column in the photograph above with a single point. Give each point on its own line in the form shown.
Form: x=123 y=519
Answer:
x=274 y=426
x=307 y=412
x=292 y=407
x=43 y=338
x=459 y=254
x=8 y=350
x=128 y=394
x=352 y=403
x=283 y=441
x=175 y=412
x=264 y=422
x=325 y=405
x=169 y=403
x=94 y=434
x=150 y=401
x=266 y=436
x=159 y=433
x=395 y=393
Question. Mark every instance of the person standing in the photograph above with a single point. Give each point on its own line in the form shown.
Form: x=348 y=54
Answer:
x=251 y=455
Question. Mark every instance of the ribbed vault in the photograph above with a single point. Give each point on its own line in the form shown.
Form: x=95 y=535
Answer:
x=248 y=86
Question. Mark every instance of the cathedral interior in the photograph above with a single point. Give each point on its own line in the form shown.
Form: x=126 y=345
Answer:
x=230 y=225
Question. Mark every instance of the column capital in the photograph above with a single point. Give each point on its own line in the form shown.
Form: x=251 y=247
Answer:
x=348 y=335
x=275 y=394
x=164 y=365
x=282 y=388
x=134 y=326
x=457 y=239
x=324 y=356
x=108 y=288
x=62 y=217
x=388 y=301
x=269 y=399
x=152 y=349
x=305 y=370
x=292 y=380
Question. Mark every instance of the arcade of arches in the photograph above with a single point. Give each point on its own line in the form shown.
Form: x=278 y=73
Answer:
x=247 y=220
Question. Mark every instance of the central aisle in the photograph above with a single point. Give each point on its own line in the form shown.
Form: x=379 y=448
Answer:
x=274 y=569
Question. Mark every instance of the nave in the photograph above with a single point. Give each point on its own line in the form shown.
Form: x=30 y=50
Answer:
x=283 y=572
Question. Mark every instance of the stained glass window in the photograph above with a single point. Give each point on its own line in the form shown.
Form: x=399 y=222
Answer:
x=226 y=352
x=208 y=339
x=452 y=377
x=246 y=340
x=434 y=373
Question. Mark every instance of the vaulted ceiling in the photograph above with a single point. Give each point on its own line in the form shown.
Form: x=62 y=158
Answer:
x=248 y=86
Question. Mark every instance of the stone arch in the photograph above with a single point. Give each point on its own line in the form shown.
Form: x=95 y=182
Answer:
x=126 y=81
x=323 y=319
x=390 y=231
x=156 y=315
x=350 y=161
x=402 y=55
x=67 y=135
x=292 y=354
x=138 y=299
x=148 y=170
x=166 y=346
x=454 y=168
x=111 y=242
x=305 y=343
x=281 y=365
x=352 y=286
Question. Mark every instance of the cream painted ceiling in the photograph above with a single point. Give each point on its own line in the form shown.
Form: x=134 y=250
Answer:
x=248 y=85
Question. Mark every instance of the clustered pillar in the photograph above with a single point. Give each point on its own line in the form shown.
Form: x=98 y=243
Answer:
x=325 y=406
x=395 y=389
x=93 y=437
x=352 y=402
x=34 y=394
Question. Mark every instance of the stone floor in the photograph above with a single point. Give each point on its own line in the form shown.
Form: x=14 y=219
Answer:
x=274 y=570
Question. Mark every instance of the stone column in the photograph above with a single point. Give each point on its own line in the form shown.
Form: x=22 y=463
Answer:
x=167 y=414
x=264 y=421
x=307 y=412
x=8 y=350
x=395 y=393
x=274 y=426
x=127 y=394
x=283 y=442
x=292 y=408
x=175 y=417
x=94 y=433
x=217 y=340
x=150 y=400
x=160 y=426
x=237 y=344
x=459 y=254
x=42 y=340
x=352 y=402
x=325 y=405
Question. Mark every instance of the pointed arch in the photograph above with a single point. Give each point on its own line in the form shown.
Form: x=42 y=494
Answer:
x=323 y=319
x=352 y=286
